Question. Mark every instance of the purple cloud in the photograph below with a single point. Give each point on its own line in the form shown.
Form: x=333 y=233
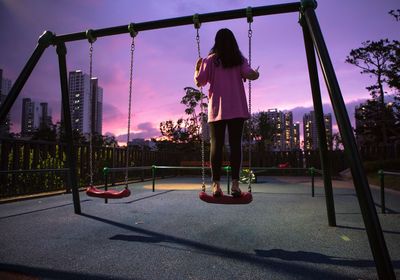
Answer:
x=164 y=58
x=145 y=130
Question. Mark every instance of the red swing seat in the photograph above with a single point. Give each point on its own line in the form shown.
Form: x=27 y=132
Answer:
x=284 y=165
x=112 y=194
x=244 y=198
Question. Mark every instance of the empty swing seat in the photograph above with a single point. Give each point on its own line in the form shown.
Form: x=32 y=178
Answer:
x=95 y=192
x=244 y=198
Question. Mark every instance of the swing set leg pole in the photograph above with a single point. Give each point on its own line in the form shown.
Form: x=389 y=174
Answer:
x=70 y=154
x=373 y=227
x=319 y=117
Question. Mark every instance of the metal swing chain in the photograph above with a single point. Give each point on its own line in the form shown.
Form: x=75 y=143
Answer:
x=250 y=34
x=203 y=169
x=129 y=111
x=91 y=114
x=91 y=39
x=133 y=34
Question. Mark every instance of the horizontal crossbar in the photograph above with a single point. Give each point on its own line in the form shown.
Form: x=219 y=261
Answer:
x=391 y=173
x=34 y=171
x=179 y=21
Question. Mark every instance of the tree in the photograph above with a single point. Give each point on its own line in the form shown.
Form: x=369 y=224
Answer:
x=369 y=128
x=77 y=136
x=97 y=139
x=194 y=99
x=337 y=141
x=186 y=130
x=262 y=130
x=46 y=133
x=110 y=141
x=395 y=14
x=373 y=59
x=174 y=131
x=380 y=60
x=393 y=71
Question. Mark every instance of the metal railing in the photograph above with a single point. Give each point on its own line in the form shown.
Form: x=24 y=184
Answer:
x=382 y=174
x=256 y=170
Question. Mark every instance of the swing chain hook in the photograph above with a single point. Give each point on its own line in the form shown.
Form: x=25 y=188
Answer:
x=89 y=35
x=197 y=25
x=132 y=31
x=249 y=15
x=196 y=21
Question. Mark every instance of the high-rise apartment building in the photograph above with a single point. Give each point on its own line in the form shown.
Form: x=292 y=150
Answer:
x=45 y=119
x=276 y=120
x=286 y=136
x=83 y=109
x=311 y=131
x=362 y=122
x=34 y=116
x=79 y=101
x=288 y=131
x=30 y=117
x=5 y=86
x=296 y=136
x=328 y=131
x=97 y=106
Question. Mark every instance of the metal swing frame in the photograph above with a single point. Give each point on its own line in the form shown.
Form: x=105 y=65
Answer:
x=314 y=42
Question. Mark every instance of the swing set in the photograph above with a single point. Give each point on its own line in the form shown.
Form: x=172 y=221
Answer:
x=92 y=191
x=314 y=43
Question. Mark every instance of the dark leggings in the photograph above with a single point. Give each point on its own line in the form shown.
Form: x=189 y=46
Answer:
x=217 y=133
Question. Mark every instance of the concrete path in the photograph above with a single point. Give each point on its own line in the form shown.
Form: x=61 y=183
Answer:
x=171 y=234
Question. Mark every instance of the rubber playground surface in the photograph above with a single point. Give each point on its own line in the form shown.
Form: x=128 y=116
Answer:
x=171 y=234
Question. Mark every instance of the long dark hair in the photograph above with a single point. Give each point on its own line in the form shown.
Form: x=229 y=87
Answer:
x=226 y=49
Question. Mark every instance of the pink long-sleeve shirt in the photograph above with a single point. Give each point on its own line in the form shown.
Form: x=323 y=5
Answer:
x=226 y=96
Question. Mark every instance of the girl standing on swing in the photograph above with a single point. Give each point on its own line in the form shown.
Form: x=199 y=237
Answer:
x=225 y=69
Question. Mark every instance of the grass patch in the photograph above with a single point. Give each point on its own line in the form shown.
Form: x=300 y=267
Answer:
x=372 y=168
x=391 y=182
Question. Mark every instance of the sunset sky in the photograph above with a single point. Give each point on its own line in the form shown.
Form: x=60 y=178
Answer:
x=164 y=59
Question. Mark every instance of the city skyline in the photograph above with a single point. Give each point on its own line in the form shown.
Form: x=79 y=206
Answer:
x=287 y=136
x=158 y=86
x=286 y=132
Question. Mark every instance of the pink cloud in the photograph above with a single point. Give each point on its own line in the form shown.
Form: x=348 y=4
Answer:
x=164 y=58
